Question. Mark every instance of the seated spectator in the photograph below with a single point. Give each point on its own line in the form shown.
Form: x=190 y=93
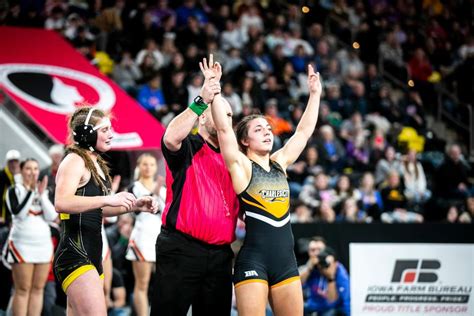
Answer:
x=152 y=99
x=281 y=128
x=325 y=213
x=325 y=281
x=233 y=98
x=350 y=213
x=395 y=202
x=358 y=150
x=370 y=197
x=344 y=190
x=392 y=56
x=127 y=73
x=305 y=167
x=387 y=164
x=468 y=215
x=415 y=180
x=302 y=214
x=452 y=176
x=258 y=60
x=316 y=191
x=331 y=151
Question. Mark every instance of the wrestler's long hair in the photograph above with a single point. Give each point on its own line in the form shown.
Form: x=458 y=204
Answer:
x=79 y=118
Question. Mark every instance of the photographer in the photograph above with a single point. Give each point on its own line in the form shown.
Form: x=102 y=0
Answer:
x=325 y=281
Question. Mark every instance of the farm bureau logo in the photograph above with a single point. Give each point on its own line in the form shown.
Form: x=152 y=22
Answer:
x=414 y=282
x=410 y=271
x=56 y=89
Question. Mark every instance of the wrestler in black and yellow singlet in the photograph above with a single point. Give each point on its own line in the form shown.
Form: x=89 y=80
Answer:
x=80 y=246
x=267 y=253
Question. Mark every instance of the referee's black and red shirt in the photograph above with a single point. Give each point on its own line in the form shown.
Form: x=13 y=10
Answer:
x=200 y=199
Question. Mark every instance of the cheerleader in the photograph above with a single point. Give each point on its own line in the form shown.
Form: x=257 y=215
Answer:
x=141 y=247
x=30 y=248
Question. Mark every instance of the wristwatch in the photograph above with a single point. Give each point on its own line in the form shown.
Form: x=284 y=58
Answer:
x=331 y=280
x=199 y=100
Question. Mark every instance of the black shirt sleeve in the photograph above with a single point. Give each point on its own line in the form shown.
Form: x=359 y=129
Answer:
x=176 y=159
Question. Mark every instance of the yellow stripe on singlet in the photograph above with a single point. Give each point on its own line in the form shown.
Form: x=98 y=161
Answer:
x=75 y=274
x=64 y=216
x=250 y=281
x=289 y=280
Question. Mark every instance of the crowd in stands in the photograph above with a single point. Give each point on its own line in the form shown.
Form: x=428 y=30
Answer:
x=367 y=126
x=372 y=158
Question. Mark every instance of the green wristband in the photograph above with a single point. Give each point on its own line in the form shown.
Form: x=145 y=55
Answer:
x=198 y=108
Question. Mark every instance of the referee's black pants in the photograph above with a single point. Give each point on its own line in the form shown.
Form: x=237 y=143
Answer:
x=190 y=272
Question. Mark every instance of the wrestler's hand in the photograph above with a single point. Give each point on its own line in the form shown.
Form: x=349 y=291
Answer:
x=314 y=82
x=211 y=69
x=147 y=204
x=122 y=199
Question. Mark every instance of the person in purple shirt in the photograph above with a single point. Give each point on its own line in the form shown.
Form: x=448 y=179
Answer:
x=325 y=281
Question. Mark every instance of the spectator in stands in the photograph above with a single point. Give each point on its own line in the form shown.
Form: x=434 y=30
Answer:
x=150 y=51
x=8 y=176
x=414 y=179
x=151 y=97
x=370 y=197
x=233 y=98
x=351 y=213
x=188 y=9
x=30 y=247
x=391 y=55
x=306 y=166
x=56 y=153
x=56 y=21
x=127 y=73
x=175 y=92
x=258 y=61
x=232 y=36
x=325 y=281
x=395 y=202
x=344 y=190
x=302 y=214
x=385 y=165
x=316 y=191
x=325 y=213
x=330 y=150
x=281 y=128
x=467 y=216
x=452 y=176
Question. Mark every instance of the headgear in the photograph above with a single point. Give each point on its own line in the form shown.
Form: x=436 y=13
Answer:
x=85 y=135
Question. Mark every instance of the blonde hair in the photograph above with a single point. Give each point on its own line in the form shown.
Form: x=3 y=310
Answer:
x=139 y=161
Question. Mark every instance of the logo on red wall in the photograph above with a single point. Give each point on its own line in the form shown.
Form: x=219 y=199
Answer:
x=56 y=89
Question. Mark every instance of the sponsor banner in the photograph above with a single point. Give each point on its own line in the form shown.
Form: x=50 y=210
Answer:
x=48 y=79
x=411 y=279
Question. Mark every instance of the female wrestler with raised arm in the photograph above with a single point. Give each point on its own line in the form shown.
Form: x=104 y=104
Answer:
x=266 y=265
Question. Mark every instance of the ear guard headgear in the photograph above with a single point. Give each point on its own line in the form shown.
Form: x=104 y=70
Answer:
x=85 y=135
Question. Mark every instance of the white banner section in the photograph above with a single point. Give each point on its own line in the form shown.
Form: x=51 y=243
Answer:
x=411 y=279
